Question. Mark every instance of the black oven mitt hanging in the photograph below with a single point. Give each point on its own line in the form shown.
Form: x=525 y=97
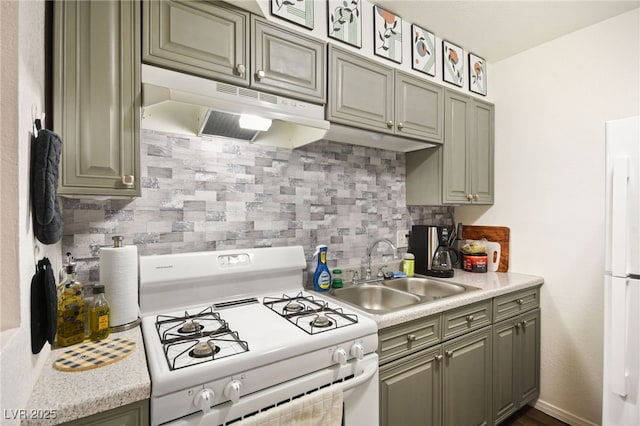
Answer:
x=45 y=157
x=44 y=308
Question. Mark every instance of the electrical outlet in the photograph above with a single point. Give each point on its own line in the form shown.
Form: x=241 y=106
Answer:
x=402 y=238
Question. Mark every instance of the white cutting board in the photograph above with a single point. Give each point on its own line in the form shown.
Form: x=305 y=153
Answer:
x=493 y=255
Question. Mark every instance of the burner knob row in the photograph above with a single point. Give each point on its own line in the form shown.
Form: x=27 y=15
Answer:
x=340 y=355
x=204 y=400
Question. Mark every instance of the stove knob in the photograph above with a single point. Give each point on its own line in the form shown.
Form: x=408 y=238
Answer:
x=204 y=400
x=357 y=350
x=232 y=390
x=340 y=356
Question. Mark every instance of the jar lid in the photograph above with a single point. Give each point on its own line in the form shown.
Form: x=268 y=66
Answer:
x=336 y=271
x=98 y=288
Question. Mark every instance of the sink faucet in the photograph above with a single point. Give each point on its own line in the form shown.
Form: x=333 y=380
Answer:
x=370 y=249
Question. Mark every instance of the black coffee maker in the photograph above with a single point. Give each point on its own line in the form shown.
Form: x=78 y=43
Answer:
x=430 y=246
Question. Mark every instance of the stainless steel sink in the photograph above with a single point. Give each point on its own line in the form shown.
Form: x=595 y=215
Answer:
x=398 y=293
x=426 y=287
x=376 y=298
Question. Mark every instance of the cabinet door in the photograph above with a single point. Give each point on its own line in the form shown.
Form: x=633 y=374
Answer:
x=411 y=390
x=419 y=108
x=505 y=368
x=97 y=96
x=529 y=357
x=287 y=63
x=455 y=173
x=467 y=379
x=360 y=92
x=197 y=37
x=481 y=152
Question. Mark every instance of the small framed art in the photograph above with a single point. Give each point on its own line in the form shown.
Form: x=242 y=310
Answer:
x=423 y=50
x=297 y=11
x=452 y=63
x=344 y=21
x=387 y=34
x=477 y=74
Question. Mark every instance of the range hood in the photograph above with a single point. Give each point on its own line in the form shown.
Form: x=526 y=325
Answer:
x=182 y=103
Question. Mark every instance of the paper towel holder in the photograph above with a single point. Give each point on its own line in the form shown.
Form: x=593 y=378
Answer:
x=118 y=243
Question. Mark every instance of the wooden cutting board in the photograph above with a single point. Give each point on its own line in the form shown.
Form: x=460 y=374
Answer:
x=497 y=234
x=87 y=356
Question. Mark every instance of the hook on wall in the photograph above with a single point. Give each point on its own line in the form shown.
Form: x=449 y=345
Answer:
x=37 y=119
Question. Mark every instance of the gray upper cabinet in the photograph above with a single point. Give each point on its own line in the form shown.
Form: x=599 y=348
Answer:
x=467 y=173
x=226 y=44
x=96 y=95
x=198 y=37
x=287 y=62
x=367 y=94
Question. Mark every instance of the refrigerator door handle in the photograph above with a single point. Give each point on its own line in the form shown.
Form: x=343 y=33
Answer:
x=619 y=208
x=618 y=337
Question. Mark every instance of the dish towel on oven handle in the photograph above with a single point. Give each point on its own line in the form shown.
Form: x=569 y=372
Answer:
x=320 y=408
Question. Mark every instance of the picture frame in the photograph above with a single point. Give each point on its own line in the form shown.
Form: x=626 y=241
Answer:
x=299 y=12
x=423 y=50
x=387 y=34
x=452 y=63
x=344 y=21
x=477 y=74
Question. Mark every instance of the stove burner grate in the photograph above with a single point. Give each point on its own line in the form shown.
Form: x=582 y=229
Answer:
x=204 y=349
x=185 y=353
x=308 y=313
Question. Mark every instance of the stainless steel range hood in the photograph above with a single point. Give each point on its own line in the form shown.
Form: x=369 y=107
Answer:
x=181 y=103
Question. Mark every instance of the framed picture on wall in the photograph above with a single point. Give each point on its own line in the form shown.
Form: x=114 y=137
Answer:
x=423 y=50
x=344 y=21
x=387 y=34
x=299 y=11
x=452 y=63
x=477 y=74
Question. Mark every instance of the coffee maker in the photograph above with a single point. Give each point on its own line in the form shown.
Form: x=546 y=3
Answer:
x=430 y=246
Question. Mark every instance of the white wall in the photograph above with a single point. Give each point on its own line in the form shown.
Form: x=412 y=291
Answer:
x=19 y=369
x=551 y=105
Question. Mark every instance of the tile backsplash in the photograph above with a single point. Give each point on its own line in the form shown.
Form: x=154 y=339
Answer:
x=216 y=194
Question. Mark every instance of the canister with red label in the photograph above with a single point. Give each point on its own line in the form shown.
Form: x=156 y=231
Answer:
x=476 y=262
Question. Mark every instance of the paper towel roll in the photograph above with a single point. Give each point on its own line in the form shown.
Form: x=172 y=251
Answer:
x=119 y=274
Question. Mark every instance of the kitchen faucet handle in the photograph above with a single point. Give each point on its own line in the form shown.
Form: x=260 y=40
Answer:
x=354 y=277
x=381 y=271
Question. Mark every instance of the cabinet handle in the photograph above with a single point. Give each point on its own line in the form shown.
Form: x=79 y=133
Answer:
x=517 y=325
x=400 y=126
x=437 y=358
x=260 y=75
x=411 y=337
x=240 y=69
x=524 y=323
x=128 y=180
x=389 y=124
x=519 y=301
x=475 y=197
x=469 y=197
x=469 y=318
x=449 y=354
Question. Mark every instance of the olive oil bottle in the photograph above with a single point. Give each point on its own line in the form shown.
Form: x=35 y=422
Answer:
x=71 y=307
x=98 y=315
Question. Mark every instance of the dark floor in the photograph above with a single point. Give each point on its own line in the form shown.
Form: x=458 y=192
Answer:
x=529 y=416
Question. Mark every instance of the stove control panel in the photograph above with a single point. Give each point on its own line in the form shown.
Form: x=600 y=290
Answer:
x=204 y=400
x=357 y=351
x=340 y=356
x=232 y=390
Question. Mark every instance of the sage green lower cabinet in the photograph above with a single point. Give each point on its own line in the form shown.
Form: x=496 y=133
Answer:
x=135 y=414
x=467 y=379
x=516 y=363
x=411 y=390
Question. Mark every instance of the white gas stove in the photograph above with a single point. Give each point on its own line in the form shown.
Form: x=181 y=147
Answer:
x=232 y=333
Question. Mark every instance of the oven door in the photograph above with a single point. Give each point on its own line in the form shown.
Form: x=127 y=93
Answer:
x=358 y=380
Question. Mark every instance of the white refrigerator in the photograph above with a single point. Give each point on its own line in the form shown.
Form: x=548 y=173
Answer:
x=621 y=381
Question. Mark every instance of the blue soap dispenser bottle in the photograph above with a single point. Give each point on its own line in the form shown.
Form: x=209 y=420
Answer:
x=322 y=276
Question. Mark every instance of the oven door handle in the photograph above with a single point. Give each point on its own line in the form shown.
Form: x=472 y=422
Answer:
x=367 y=374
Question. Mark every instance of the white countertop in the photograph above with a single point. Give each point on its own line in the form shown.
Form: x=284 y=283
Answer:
x=73 y=395
x=491 y=284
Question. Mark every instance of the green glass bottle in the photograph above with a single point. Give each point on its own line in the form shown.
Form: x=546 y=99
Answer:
x=99 y=315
